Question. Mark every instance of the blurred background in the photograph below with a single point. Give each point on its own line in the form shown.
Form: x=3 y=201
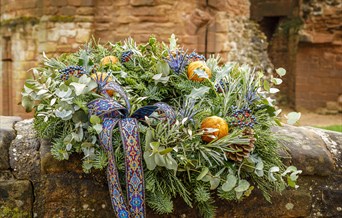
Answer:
x=302 y=36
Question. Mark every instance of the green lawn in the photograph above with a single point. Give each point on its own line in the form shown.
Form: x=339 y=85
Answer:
x=337 y=128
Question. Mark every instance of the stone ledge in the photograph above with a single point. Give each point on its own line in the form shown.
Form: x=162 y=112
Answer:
x=61 y=189
x=307 y=150
x=7 y=134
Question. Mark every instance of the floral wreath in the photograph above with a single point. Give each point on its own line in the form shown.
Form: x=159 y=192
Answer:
x=170 y=122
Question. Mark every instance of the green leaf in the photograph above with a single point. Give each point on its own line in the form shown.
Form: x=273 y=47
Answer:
x=271 y=171
x=230 y=183
x=214 y=182
x=149 y=160
x=163 y=68
x=173 y=42
x=281 y=71
x=98 y=128
x=266 y=85
x=293 y=117
x=95 y=119
x=160 y=160
x=79 y=87
x=171 y=163
x=201 y=73
x=27 y=103
x=148 y=138
x=165 y=151
x=203 y=173
x=277 y=81
x=198 y=93
x=243 y=186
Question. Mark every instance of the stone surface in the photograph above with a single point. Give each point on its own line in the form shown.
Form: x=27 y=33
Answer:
x=24 y=151
x=7 y=134
x=16 y=194
x=45 y=187
x=308 y=151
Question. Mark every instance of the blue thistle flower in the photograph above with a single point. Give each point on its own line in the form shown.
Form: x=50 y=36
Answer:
x=251 y=96
x=177 y=61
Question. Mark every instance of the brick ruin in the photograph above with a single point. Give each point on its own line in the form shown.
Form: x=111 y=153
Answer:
x=304 y=37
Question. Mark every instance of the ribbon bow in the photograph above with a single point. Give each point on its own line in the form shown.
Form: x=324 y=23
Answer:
x=113 y=114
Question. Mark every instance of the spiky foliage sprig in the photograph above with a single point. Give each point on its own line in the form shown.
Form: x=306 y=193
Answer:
x=177 y=162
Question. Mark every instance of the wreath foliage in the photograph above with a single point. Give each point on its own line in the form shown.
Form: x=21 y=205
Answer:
x=178 y=161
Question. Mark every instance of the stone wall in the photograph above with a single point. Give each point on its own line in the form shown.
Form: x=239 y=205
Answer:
x=306 y=39
x=34 y=184
x=319 y=57
x=31 y=27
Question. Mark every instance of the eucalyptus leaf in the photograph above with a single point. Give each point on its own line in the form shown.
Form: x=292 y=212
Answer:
x=281 y=71
x=274 y=90
x=98 y=128
x=214 y=182
x=271 y=171
x=243 y=186
x=203 y=173
x=230 y=183
x=160 y=160
x=64 y=114
x=95 y=119
x=171 y=163
x=149 y=160
x=277 y=81
x=163 y=68
x=79 y=87
x=293 y=117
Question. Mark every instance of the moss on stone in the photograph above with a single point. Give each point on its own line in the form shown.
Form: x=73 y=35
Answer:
x=60 y=18
x=9 y=212
x=20 y=20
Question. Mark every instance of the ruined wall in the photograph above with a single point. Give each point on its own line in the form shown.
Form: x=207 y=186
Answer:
x=33 y=183
x=30 y=27
x=319 y=56
x=305 y=38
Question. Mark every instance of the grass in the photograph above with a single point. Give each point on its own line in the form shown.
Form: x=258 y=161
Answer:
x=337 y=128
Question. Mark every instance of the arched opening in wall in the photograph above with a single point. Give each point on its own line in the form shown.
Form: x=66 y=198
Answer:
x=269 y=25
x=6 y=78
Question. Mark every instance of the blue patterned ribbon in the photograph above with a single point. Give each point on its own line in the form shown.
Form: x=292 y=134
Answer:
x=113 y=114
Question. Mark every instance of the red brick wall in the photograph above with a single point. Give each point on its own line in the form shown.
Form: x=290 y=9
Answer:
x=319 y=75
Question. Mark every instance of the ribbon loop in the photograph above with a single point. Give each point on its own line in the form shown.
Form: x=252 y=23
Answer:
x=114 y=113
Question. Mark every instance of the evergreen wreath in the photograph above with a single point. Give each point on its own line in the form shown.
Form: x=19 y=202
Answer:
x=219 y=140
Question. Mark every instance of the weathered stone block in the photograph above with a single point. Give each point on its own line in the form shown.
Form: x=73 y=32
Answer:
x=308 y=151
x=142 y=2
x=16 y=194
x=7 y=134
x=24 y=151
x=50 y=165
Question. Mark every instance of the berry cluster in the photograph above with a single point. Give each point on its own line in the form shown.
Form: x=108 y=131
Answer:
x=196 y=57
x=222 y=86
x=126 y=56
x=243 y=118
x=76 y=71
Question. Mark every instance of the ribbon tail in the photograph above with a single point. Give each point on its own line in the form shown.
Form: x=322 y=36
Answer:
x=134 y=168
x=118 y=202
